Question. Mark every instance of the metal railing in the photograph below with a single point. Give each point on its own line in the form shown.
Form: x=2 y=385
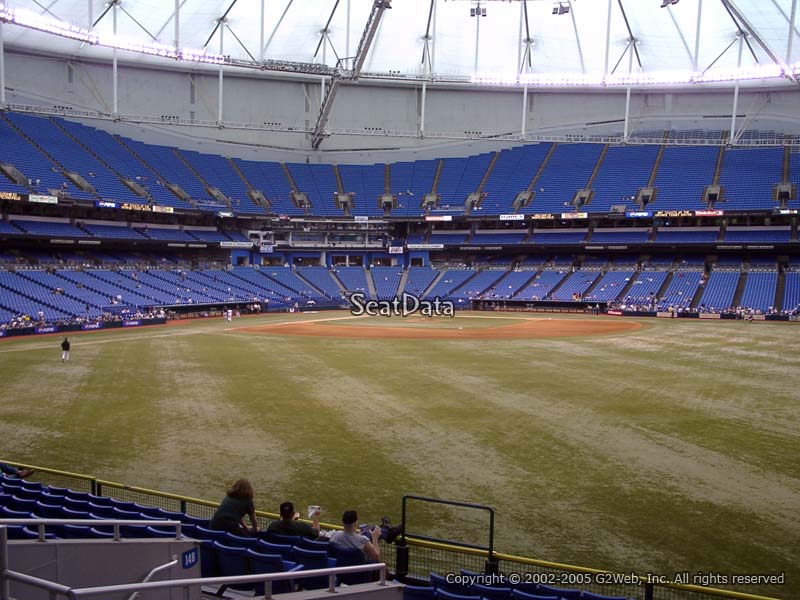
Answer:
x=424 y=555
x=56 y=589
x=41 y=524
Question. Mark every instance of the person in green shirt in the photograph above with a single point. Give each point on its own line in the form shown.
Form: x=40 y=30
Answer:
x=289 y=524
x=233 y=508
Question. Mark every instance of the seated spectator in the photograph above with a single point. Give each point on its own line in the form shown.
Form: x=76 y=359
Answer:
x=236 y=504
x=352 y=538
x=15 y=472
x=289 y=523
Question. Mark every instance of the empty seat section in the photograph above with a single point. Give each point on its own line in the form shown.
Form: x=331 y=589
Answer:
x=683 y=174
x=759 y=290
x=567 y=171
x=625 y=169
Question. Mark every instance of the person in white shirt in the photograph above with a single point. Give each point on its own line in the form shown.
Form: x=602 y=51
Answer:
x=351 y=537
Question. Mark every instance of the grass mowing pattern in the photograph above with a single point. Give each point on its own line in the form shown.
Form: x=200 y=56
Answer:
x=671 y=448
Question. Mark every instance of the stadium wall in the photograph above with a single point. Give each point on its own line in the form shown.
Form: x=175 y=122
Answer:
x=259 y=99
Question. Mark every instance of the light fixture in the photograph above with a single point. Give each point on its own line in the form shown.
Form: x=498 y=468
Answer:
x=666 y=3
x=561 y=8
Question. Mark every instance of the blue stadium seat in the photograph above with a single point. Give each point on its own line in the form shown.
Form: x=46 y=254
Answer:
x=277 y=538
x=565 y=594
x=232 y=561
x=491 y=592
x=349 y=558
x=210 y=534
x=440 y=582
x=591 y=596
x=418 y=592
x=314 y=545
x=443 y=594
x=25 y=504
x=238 y=541
x=265 y=547
x=272 y=563
x=313 y=559
x=209 y=567
x=10 y=513
x=520 y=595
x=48 y=511
x=102 y=512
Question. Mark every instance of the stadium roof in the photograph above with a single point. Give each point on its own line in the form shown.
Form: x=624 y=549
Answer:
x=560 y=41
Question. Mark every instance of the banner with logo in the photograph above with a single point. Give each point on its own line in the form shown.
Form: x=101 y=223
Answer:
x=90 y=326
x=42 y=199
x=513 y=217
x=163 y=209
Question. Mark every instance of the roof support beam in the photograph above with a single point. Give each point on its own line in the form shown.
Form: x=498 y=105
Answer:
x=739 y=27
x=757 y=37
x=427 y=62
x=277 y=26
x=680 y=33
x=792 y=31
x=733 y=135
x=261 y=32
x=632 y=37
x=326 y=29
x=371 y=28
x=177 y=16
x=2 y=68
x=219 y=24
x=608 y=38
x=527 y=55
x=696 y=60
x=577 y=37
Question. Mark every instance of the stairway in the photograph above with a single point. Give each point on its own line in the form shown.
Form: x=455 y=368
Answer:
x=488 y=172
x=557 y=286
x=240 y=174
x=339 y=183
x=373 y=293
x=665 y=285
x=787 y=161
x=139 y=158
x=309 y=284
x=541 y=168
x=401 y=287
x=196 y=173
x=626 y=288
x=587 y=293
x=387 y=179
x=737 y=295
x=720 y=157
x=435 y=185
x=289 y=177
x=337 y=281
x=597 y=166
x=433 y=283
x=659 y=157
x=779 y=291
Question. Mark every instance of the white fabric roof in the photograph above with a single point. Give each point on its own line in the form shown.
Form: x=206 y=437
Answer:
x=572 y=43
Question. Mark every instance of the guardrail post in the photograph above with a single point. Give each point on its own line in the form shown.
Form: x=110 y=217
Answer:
x=95 y=487
x=183 y=506
x=42 y=535
x=649 y=591
x=5 y=585
x=332 y=583
x=492 y=566
x=401 y=561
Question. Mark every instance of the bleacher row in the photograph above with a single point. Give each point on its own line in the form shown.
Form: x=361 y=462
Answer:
x=65 y=294
x=43 y=148
x=226 y=554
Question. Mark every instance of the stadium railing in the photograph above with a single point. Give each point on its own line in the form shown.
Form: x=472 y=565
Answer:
x=424 y=556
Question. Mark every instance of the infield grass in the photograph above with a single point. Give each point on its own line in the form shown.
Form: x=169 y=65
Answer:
x=673 y=447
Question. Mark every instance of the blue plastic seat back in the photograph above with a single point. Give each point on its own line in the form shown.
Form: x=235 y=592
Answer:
x=350 y=557
x=491 y=592
x=520 y=595
x=277 y=538
x=591 y=596
x=441 y=583
x=209 y=567
x=270 y=563
x=314 y=545
x=190 y=520
x=233 y=561
x=418 y=592
x=10 y=513
x=210 y=534
x=443 y=594
x=313 y=559
x=284 y=550
x=74 y=504
x=239 y=541
x=566 y=594
x=103 y=512
x=48 y=511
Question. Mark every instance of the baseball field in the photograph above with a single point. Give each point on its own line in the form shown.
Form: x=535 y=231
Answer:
x=644 y=445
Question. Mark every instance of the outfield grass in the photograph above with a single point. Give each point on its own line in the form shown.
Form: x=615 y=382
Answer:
x=670 y=448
